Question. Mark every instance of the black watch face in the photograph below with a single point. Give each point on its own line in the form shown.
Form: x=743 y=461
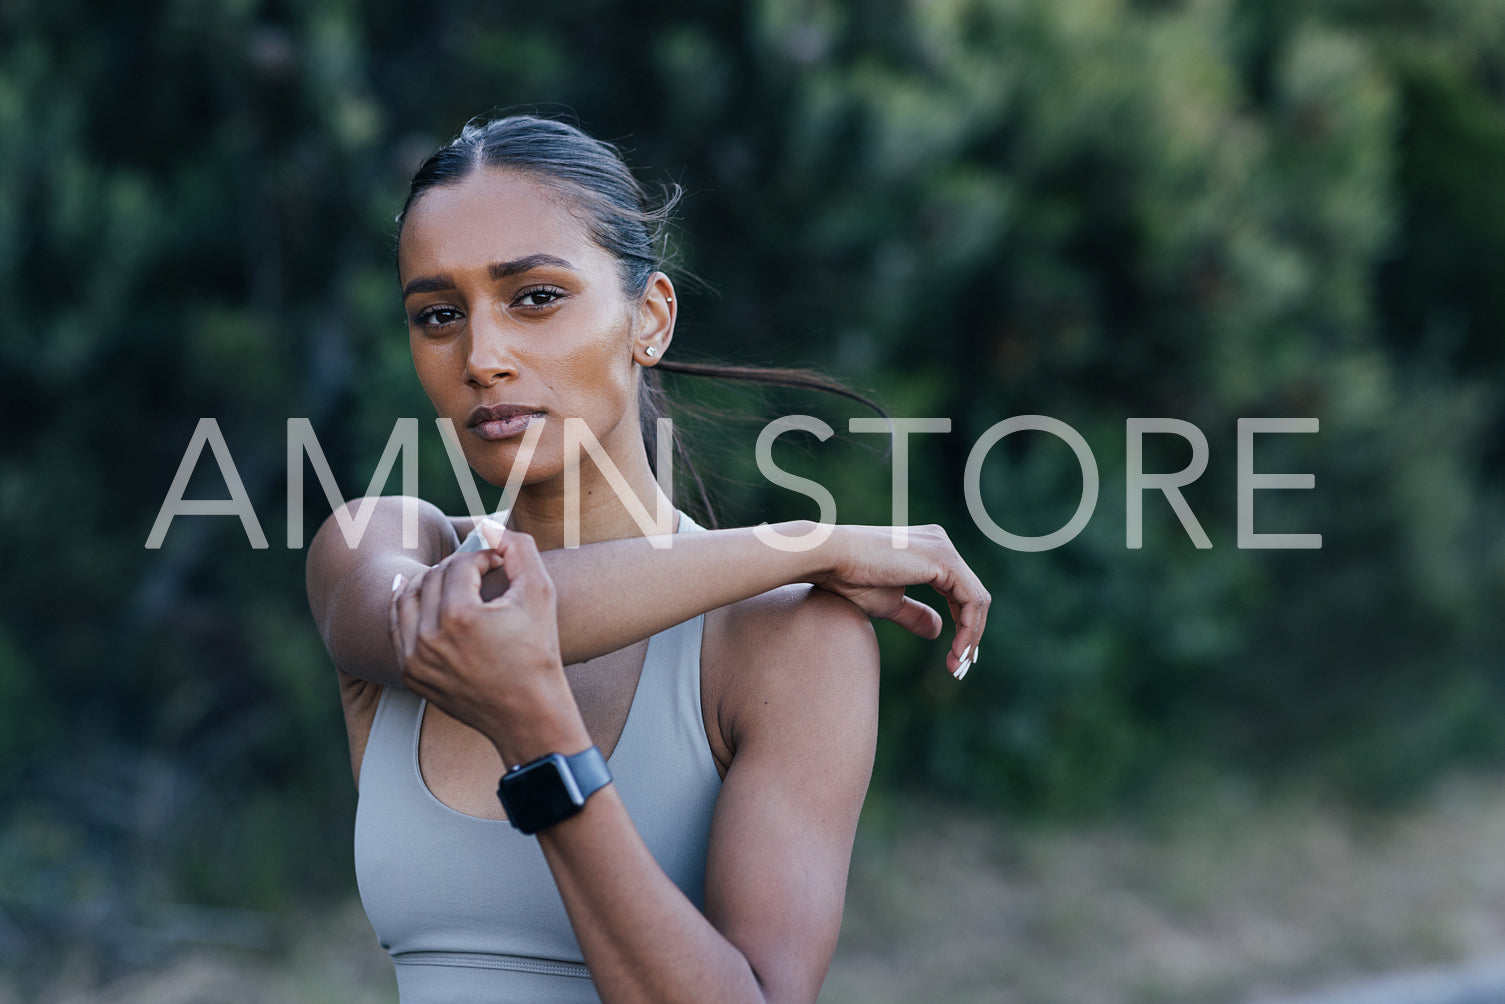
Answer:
x=541 y=794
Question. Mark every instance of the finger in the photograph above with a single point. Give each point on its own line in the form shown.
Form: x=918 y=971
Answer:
x=494 y=527
x=964 y=615
x=965 y=597
x=917 y=618
x=970 y=610
x=944 y=582
x=982 y=621
x=405 y=614
x=979 y=615
x=530 y=580
x=430 y=592
x=462 y=578
x=392 y=633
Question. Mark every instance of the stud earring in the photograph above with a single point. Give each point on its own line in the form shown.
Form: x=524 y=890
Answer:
x=670 y=299
x=651 y=351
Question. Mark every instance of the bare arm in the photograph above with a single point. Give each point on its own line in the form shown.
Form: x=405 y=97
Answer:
x=801 y=713
x=614 y=593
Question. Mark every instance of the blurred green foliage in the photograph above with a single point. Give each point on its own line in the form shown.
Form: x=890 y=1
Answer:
x=1088 y=209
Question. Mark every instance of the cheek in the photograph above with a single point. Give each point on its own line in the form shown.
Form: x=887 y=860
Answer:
x=436 y=372
x=596 y=370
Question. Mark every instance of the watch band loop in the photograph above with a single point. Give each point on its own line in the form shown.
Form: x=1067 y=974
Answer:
x=590 y=770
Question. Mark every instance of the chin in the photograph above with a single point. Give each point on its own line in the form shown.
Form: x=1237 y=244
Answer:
x=494 y=462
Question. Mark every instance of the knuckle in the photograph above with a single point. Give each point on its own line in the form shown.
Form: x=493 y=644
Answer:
x=455 y=618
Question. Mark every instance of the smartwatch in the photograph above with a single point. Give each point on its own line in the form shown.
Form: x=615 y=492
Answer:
x=551 y=789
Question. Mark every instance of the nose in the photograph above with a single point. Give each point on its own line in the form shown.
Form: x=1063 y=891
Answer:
x=490 y=358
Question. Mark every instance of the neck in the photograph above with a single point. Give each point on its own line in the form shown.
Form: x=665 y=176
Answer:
x=545 y=510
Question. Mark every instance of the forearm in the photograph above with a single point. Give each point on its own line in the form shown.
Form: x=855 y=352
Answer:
x=642 y=938
x=618 y=592
x=785 y=811
x=611 y=594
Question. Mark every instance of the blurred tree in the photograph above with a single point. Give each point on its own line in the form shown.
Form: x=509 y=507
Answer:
x=1093 y=210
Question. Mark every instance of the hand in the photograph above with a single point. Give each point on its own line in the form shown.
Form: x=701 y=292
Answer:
x=479 y=660
x=866 y=568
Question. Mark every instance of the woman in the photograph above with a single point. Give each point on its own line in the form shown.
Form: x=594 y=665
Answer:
x=697 y=848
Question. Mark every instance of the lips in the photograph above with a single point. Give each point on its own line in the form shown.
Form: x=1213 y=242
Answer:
x=503 y=421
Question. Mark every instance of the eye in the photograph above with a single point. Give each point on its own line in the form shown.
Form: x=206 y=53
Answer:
x=435 y=317
x=538 y=296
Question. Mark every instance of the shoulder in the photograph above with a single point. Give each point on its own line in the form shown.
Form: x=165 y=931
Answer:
x=795 y=622
x=795 y=655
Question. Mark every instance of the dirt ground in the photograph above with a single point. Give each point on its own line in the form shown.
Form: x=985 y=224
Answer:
x=1225 y=897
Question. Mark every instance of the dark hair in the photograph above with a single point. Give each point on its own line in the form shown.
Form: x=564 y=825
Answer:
x=592 y=173
x=620 y=218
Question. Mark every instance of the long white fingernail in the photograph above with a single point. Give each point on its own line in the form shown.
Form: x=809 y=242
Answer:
x=974 y=654
x=397 y=582
x=961 y=670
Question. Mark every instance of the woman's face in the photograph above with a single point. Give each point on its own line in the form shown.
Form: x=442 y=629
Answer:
x=512 y=307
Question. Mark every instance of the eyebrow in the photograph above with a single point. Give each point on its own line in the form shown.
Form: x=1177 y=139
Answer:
x=504 y=269
x=497 y=270
x=428 y=284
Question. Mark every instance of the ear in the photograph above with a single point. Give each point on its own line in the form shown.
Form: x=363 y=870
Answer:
x=655 y=321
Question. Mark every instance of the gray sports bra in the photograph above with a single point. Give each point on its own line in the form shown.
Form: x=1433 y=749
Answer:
x=467 y=907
